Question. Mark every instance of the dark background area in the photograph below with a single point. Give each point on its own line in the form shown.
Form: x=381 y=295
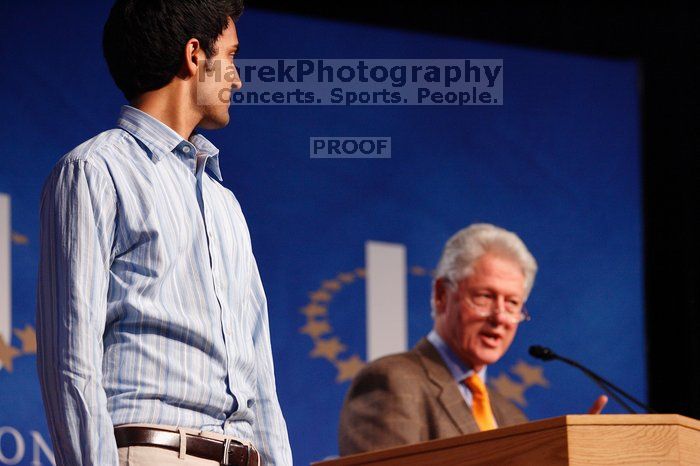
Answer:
x=663 y=37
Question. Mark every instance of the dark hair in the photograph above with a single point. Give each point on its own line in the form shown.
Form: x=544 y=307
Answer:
x=144 y=40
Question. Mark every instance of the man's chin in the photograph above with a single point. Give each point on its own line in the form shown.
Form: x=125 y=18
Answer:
x=488 y=356
x=215 y=122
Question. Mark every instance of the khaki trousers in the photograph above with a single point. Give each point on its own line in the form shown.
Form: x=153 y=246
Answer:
x=156 y=456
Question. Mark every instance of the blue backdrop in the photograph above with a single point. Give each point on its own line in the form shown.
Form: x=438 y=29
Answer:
x=558 y=163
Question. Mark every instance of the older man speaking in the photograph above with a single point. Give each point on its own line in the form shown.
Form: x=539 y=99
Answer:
x=437 y=389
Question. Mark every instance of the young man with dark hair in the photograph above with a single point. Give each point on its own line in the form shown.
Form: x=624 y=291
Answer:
x=152 y=323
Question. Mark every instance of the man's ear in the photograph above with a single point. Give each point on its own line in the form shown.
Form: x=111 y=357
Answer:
x=440 y=290
x=193 y=58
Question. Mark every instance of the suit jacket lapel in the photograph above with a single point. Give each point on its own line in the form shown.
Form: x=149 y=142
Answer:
x=499 y=406
x=446 y=389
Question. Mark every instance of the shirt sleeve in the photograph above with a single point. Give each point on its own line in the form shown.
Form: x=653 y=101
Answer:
x=78 y=210
x=270 y=429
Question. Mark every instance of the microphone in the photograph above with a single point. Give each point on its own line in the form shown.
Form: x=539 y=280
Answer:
x=540 y=352
x=546 y=354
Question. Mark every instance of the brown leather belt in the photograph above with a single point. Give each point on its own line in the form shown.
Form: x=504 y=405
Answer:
x=229 y=452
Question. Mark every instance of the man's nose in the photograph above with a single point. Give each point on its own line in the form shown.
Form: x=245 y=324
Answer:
x=500 y=305
x=498 y=312
x=236 y=82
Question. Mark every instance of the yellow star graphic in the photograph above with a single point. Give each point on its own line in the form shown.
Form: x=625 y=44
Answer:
x=360 y=272
x=348 y=369
x=314 y=310
x=315 y=328
x=7 y=354
x=418 y=271
x=509 y=388
x=332 y=285
x=346 y=277
x=320 y=295
x=19 y=238
x=28 y=339
x=328 y=349
x=531 y=375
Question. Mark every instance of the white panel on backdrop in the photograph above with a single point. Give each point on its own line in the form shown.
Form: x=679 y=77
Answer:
x=387 y=327
x=5 y=269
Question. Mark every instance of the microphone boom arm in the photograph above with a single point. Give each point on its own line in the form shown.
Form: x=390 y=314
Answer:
x=608 y=387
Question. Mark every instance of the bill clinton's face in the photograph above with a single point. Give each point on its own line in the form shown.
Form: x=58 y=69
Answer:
x=478 y=341
x=217 y=80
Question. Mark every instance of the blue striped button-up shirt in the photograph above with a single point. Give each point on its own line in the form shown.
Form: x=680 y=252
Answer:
x=150 y=305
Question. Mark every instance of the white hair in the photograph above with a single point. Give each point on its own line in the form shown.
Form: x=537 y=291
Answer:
x=467 y=245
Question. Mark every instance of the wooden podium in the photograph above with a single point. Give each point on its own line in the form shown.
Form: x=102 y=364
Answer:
x=659 y=439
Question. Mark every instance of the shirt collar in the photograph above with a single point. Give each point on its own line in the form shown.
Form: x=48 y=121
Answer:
x=161 y=140
x=458 y=368
x=204 y=146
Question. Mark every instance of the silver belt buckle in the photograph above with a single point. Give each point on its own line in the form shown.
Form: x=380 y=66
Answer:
x=227 y=447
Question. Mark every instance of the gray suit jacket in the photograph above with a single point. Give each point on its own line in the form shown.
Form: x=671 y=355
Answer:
x=407 y=398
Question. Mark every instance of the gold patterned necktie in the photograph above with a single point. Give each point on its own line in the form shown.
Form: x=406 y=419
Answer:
x=481 y=406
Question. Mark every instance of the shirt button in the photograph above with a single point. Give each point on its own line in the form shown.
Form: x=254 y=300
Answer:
x=186 y=149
